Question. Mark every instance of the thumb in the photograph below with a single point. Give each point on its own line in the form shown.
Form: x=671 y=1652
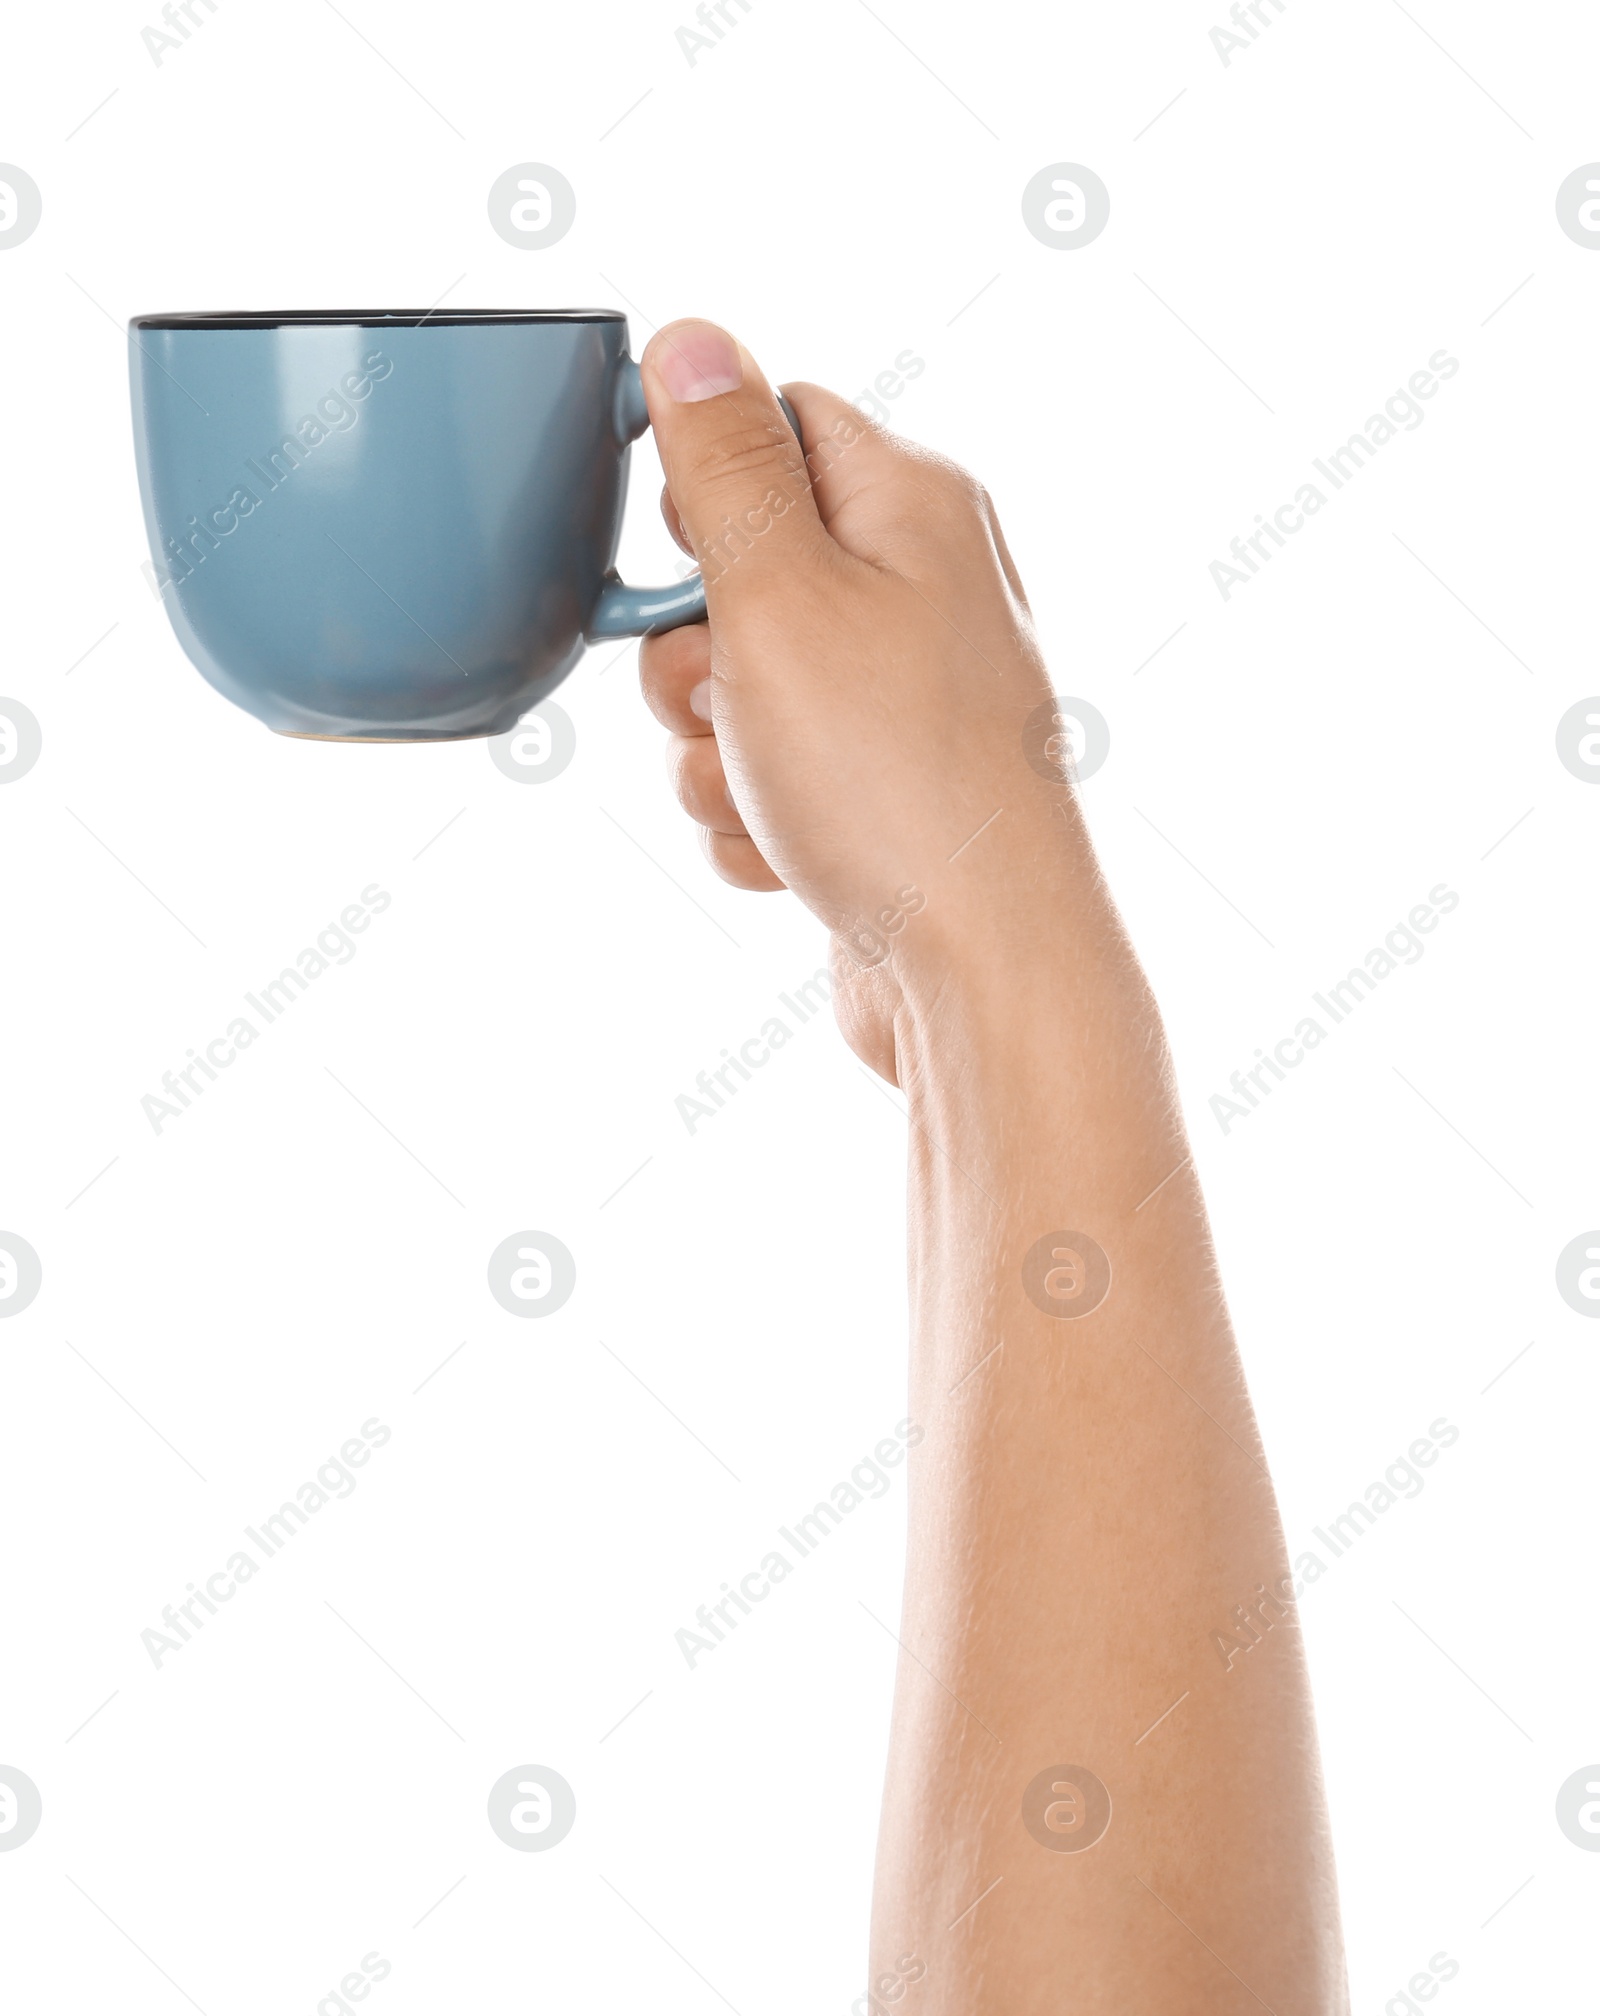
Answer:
x=733 y=466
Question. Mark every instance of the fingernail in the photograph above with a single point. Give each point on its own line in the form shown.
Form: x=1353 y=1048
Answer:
x=697 y=360
x=700 y=700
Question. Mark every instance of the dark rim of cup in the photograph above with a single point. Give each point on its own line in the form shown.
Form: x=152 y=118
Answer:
x=370 y=318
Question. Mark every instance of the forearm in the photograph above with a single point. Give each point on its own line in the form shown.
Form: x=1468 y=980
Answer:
x=1092 y=1504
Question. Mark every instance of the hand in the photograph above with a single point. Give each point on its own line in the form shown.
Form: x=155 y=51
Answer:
x=852 y=712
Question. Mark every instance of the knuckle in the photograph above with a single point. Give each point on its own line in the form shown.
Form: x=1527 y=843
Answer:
x=725 y=857
x=695 y=768
x=738 y=861
x=672 y=656
x=946 y=495
x=677 y=760
x=734 y=460
x=960 y=493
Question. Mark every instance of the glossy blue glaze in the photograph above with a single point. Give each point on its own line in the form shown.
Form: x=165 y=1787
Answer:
x=391 y=526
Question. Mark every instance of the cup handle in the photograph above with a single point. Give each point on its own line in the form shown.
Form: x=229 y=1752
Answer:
x=624 y=611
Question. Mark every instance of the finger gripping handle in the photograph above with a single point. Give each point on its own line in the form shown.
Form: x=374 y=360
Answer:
x=624 y=611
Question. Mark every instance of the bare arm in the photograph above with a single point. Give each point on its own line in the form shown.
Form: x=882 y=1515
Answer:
x=1087 y=1808
x=1142 y=1821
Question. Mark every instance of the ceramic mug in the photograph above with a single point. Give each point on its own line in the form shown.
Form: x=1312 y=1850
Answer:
x=391 y=527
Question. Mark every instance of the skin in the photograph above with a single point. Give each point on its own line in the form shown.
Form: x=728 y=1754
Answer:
x=1093 y=1533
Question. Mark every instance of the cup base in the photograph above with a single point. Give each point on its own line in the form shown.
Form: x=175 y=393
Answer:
x=393 y=741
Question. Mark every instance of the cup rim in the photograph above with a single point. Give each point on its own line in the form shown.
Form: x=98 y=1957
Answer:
x=367 y=318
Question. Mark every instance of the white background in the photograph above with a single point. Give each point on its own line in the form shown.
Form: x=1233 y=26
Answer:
x=1296 y=769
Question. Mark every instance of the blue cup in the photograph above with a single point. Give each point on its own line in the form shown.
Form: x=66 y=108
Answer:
x=391 y=527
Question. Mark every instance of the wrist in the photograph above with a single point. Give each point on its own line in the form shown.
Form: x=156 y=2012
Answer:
x=1017 y=990
x=1036 y=1052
